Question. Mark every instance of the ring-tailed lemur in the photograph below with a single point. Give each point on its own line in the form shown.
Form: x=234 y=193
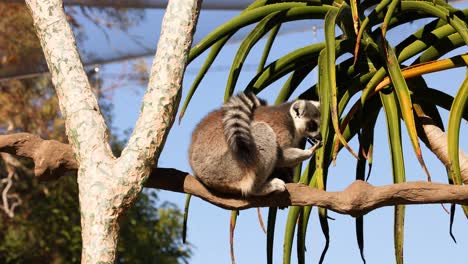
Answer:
x=235 y=149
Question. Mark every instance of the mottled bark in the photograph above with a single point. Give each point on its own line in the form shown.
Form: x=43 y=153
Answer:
x=108 y=185
x=359 y=198
x=209 y=4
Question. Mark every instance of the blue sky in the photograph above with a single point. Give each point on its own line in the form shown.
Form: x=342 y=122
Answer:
x=426 y=227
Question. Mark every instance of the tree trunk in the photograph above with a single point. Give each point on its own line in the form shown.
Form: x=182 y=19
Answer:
x=107 y=186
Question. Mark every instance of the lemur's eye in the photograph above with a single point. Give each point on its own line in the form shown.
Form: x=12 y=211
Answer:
x=312 y=126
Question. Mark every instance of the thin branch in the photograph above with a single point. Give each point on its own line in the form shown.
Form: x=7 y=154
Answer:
x=359 y=198
x=52 y=159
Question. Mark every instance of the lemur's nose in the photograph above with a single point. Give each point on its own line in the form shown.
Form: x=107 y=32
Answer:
x=319 y=136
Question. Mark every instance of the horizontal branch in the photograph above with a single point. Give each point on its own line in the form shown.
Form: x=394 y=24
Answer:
x=53 y=158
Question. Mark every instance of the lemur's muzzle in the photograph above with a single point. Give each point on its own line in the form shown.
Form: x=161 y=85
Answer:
x=317 y=140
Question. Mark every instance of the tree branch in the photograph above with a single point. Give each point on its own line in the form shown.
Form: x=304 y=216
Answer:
x=52 y=159
x=436 y=140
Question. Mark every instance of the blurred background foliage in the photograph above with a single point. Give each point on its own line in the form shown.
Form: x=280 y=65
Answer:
x=40 y=222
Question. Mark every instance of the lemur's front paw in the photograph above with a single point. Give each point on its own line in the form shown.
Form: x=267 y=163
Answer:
x=316 y=143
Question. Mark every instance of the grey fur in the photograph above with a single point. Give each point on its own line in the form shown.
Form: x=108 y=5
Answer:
x=238 y=148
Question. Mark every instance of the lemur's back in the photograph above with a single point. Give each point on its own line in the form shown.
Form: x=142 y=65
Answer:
x=236 y=148
x=279 y=119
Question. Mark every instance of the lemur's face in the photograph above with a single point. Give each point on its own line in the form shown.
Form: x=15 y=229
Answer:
x=306 y=116
x=313 y=129
x=313 y=124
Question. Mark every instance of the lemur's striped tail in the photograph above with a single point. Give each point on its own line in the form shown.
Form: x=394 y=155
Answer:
x=237 y=119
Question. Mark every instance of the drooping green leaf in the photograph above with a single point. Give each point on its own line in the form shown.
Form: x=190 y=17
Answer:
x=272 y=212
x=186 y=212
x=300 y=241
x=405 y=104
x=365 y=23
x=289 y=233
x=325 y=230
x=453 y=131
x=366 y=138
x=232 y=227
x=330 y=22
x=293 y=215
x=360 y=236
x=452 y=217
x=389 y=102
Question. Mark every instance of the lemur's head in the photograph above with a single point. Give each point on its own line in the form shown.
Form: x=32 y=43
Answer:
x=306 y=116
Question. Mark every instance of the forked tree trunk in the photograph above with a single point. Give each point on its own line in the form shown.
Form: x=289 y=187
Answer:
x=107 y=185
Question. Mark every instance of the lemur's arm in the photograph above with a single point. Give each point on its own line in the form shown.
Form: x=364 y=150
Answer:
x=290 y=157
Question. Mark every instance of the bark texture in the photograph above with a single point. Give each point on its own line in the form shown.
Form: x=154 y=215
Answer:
x=359 y=198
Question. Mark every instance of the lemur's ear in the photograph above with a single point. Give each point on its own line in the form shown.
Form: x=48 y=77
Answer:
x=298 y=109
x=316 y=104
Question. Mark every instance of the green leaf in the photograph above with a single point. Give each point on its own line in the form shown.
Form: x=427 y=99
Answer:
x=266 y=50
x=255 y=15
x=438 y=98
x=388 y=15
x=285 y=65
x=216 y=48
x=293 y=82
x=289 y=233
x=418 y=40
x=323 y=218
x=263 y=27
x=272 y=212
x=360 y=236
x=355 y=14
x=389 y=102
x=325 y=122
x=405 y=104
x=453 y=133
x=438 y=11
x=300 y=241
x=186 y=212
x=365 y=23
x=293 y=215
x=452 y=217
x=330 y=22
x=232 y=227
x=398 y=232
x=366 y=139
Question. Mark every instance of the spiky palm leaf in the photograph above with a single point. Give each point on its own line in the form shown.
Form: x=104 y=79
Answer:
x=377 y=68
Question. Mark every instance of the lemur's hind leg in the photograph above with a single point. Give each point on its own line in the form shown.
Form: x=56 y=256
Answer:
x=267 y=155
x=271 y=186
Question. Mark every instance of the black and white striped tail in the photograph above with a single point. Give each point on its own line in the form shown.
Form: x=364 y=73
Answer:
x=237 y=119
